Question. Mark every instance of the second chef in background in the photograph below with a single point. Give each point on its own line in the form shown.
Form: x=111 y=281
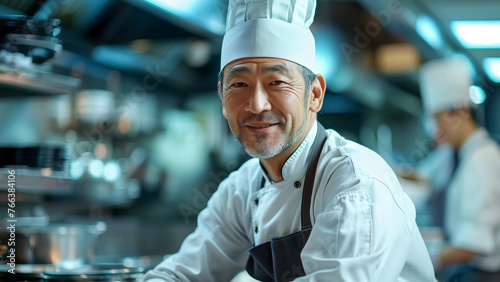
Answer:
x=470 y=207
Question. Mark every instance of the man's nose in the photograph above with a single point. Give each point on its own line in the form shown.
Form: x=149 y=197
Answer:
x=259 y=101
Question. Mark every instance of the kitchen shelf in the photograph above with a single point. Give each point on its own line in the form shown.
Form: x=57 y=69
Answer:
x=22 y=82
x=32 y=181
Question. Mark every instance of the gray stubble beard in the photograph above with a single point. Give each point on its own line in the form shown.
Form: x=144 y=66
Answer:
x=267 y=151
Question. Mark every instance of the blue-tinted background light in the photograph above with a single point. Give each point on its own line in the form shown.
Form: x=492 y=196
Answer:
x=174 y=5
x=96 y=168
x=327 y=56
x=477 y=34
x=427 y=28
x=492 y=68
x=477 y=94
x=77 y=169
x=111 y=171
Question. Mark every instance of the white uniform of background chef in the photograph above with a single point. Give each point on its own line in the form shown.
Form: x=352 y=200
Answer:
x=472 y=202
x=363 y=223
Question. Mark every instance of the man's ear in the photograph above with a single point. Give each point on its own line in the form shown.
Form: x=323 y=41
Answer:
x=224 y=111
x=218 y=89
x=317 y=94
x=220 y=96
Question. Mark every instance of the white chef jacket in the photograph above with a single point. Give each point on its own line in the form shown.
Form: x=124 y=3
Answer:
x=363 y=223
x=472 y=215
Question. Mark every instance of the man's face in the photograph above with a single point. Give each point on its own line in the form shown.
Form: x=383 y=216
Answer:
x=263 y=102
x=448 y=125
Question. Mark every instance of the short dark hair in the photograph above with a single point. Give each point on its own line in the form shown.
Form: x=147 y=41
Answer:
x=308 y=75
x=309 y=78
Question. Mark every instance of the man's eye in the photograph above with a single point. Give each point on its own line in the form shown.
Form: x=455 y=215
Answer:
x=277 y=82
x=239 y=84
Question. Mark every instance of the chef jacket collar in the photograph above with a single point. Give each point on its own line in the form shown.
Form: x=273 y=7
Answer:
x=295 y=165
x=474 y=140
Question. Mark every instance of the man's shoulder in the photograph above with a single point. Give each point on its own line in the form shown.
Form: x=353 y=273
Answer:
x=348 y=167
x=489 y=150
x=354 y=159
x=483 y=161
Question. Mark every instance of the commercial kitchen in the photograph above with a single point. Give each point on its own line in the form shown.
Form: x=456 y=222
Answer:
x=113 y=138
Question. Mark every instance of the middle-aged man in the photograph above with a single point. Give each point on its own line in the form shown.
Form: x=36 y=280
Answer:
x=471 y=202
x=310 y=205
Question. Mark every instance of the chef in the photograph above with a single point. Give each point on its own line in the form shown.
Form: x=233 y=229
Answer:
x=310 y=205
x=471 y=202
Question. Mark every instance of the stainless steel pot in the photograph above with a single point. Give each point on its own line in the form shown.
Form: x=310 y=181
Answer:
x=68 y=245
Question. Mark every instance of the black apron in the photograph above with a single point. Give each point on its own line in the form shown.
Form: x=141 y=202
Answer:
x=436 y=202
x=279 y=259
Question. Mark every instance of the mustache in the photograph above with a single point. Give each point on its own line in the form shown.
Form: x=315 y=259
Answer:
x=267 y=117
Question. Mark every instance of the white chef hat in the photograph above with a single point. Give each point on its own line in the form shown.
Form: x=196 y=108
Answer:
x=270 y=28
x=445 y=83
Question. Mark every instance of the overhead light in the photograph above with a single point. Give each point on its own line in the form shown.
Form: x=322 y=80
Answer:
x=477 y=34
x=477 y=94
x=174 y=6
x=492 y=68
x=427 y=28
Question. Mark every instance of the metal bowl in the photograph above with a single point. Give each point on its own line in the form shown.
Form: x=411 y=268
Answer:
x=98 y=272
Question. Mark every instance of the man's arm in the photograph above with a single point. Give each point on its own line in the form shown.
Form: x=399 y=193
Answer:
x=451 y=255
x=365 y=236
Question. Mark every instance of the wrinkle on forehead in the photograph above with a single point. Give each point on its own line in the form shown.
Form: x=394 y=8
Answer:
x=278 y=65
x=276 y=68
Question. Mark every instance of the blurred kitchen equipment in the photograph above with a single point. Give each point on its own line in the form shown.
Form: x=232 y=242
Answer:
x=146 y=262
x=38 y=169
x=94 y=106
x=43 y=157
x=27 y=45
x=24 y=272
x=33 y=38
x=39 y=48
x=68 y=245
x=99 y=272
x=48 y=272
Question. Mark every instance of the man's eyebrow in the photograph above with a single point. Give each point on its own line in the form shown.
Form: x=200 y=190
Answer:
x=238 y=69
x=276 y=68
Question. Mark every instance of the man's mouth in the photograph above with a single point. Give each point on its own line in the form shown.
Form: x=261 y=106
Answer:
x=260 y=126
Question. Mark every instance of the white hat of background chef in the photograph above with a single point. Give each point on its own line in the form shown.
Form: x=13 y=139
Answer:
x=445 y=84
x=270 y=28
